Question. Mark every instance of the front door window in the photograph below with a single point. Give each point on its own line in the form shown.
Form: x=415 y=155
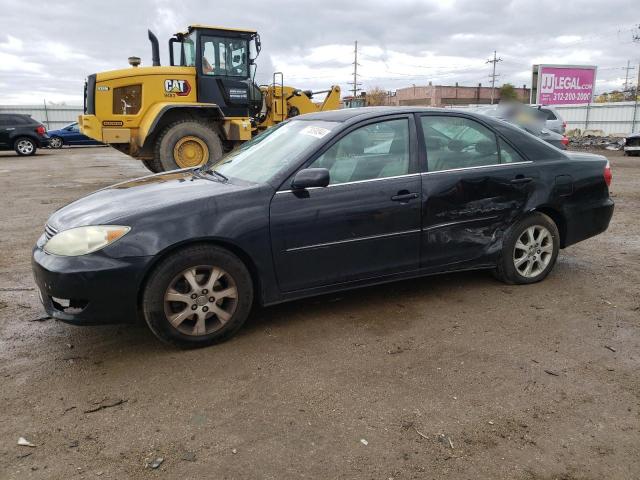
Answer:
x=378 y=150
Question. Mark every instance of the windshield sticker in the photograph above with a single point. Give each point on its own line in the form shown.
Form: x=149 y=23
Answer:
x=317 y=132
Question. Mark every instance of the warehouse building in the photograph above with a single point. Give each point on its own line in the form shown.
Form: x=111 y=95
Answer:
x=446 y=95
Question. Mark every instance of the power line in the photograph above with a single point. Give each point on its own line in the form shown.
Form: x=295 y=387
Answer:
x=493 y=76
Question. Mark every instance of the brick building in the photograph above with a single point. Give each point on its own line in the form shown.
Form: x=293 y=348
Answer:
x=445 y=95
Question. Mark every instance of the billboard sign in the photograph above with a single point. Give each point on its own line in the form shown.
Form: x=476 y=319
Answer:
x=565 y=84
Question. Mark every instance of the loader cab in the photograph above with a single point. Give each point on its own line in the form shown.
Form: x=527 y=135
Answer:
x=224 y=63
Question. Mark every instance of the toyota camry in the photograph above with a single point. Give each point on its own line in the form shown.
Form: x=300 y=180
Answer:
x=322 y=202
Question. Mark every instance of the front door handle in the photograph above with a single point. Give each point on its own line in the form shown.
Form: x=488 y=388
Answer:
x=404 y=197
x=521 y=179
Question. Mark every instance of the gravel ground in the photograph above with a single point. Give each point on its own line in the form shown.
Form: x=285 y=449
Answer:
x=524 y=382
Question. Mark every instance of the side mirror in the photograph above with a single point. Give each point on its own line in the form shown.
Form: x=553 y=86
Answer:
x=310 y=177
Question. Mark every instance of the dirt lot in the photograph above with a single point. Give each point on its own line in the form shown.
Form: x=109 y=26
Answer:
x=357 y=385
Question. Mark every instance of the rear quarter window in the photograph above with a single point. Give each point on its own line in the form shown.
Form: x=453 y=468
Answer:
x=532 y=147
x=549 y=113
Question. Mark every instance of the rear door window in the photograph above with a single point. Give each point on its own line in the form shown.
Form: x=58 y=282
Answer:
x=508 y=154
x=456 y=142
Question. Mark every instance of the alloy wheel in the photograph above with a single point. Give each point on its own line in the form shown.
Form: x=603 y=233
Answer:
x=55 y=142
x=533 y=251
x=200 y=300
x=25 y=147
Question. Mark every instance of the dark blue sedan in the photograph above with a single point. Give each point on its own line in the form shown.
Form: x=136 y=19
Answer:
x=321 y=203
x=70 y=135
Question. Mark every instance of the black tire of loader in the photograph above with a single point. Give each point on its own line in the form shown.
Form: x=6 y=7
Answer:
x=152 y=165
x=180 y=129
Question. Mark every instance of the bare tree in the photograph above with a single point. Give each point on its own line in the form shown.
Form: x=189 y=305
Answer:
x=376 y=97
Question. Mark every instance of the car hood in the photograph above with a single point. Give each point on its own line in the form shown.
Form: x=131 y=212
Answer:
x=633 y=135
x=134 y=198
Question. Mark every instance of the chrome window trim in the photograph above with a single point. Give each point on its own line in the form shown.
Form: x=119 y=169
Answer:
x=351 y=240
x=355 y=182
x=412 y=175
x=478 y=167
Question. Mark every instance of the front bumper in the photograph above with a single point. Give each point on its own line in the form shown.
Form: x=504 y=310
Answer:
x=90 y=289
x=632 y=148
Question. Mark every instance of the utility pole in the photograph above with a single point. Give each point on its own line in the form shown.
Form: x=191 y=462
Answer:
x=636 y=39
x=355 y=83
x=627 y=90
x=493 y=76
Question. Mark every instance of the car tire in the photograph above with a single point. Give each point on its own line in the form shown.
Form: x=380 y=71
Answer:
x=223 y=291
x=529 y=250
x=187 y=143
x=152 y=165
x=56 y=142
x=25 y=146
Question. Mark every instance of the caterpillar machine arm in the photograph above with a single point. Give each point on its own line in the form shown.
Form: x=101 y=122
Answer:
x=190 y=112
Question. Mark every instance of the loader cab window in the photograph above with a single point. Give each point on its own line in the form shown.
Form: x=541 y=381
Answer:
x=225 y=56
x=184 y=52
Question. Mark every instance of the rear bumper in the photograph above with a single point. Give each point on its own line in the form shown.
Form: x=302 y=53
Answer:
x=632 y=148
x=43 y=142
x=588 y=222
x=91 y=289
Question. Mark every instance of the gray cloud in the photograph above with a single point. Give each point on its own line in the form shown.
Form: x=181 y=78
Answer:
x=403 y=42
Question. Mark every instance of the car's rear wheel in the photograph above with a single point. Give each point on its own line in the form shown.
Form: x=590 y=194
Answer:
x=198 y=296
x=25 y=146
x=56 y=142
x=529 y=250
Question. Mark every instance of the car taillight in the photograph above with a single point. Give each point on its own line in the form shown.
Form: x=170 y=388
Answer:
x=41 y=130
x=564 y=124
x=565 y=141
x=607 y=174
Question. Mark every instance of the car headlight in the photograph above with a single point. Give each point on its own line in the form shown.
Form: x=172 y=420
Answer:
x=84 y=240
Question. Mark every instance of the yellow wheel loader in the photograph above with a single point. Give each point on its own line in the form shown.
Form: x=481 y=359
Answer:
x=202 y=105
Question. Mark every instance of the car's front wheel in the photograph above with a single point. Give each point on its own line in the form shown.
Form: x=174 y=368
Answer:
x=56 y=142
x=24 y=146
x=198 y=296
x=529 y=250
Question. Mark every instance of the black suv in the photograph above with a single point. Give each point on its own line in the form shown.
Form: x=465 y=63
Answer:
x=22 y=133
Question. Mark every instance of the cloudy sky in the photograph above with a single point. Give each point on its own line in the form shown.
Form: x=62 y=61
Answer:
x=46 y=51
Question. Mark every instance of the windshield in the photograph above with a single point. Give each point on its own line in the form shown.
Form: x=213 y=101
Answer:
x=260 y=159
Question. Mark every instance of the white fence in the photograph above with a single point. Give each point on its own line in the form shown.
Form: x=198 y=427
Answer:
x=51 y=116
x=617 y=118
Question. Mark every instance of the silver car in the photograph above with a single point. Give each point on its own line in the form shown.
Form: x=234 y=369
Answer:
x=553 y=120
x=529 y=120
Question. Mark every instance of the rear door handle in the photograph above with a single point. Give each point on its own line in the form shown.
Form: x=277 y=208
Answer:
x=521 y=180
x=404 y=197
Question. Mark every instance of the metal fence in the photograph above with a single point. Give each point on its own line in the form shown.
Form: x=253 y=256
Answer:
x=616 y=118
x=52 y=116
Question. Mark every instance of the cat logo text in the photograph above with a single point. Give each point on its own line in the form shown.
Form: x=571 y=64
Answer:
x=176 y=87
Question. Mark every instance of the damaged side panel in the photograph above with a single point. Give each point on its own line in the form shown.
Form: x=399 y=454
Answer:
x=467 y=211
